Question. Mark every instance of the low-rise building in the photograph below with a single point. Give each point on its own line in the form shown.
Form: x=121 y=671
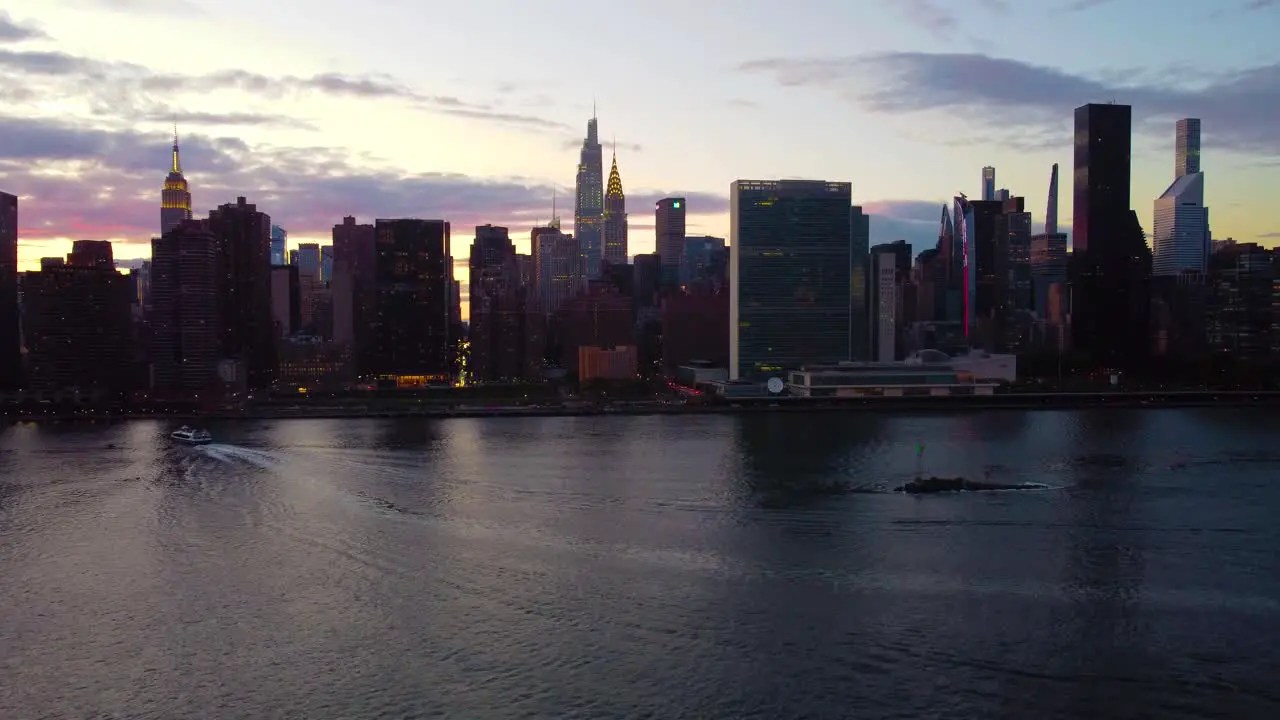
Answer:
x=926 y=373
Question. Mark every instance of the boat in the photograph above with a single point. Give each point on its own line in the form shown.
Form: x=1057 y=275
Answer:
x=930 y=485
x=191 y=436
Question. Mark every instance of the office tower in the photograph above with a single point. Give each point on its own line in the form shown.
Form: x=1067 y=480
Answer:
x=184 y=312
x=884 y=294
x=10 y=332
x=702 y=259
x=78 y=325
x=1110 y=261
x=175 y=199
x=601 y=320
x=1101 y=184
x=309 y=260
x=496 y=307
x=286 y=310
x=588 y=208
x=293 y=257
x=353 y=291
x=326 y=264
x=561 y=270
x=1186 y=156
x=1012 y=314
x=279 y=245
x=1180 y=231
x=492 y=262
x=1002 y=195
x=646 y=277
x=790 y=275
x=988 y=183
x=410 y=325
x=615 y=218
x=244 y=292
x=669 y=230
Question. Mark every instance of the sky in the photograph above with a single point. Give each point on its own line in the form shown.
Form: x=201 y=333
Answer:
x=473 y=112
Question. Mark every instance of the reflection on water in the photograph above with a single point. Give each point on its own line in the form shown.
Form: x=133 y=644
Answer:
x=712 y=566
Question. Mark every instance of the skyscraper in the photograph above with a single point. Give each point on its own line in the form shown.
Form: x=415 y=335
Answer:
x=560 y=270
x=1051 y=207
x=790 y=275
x=10 y=334
x=1180 y=232
x=1110 y=262
x=247 y=335
x=175 y=199
x=279 y=240
x=1103 y=142
x=669 y=225
x=588 y=206
x=410 y=327
x=615 y=218
x=988 y=183
x=353 y=262
x=184 y=311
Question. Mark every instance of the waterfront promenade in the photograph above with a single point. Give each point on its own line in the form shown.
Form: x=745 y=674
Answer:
x=346 y=408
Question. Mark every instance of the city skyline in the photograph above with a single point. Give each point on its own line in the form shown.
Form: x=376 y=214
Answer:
x=273 y=114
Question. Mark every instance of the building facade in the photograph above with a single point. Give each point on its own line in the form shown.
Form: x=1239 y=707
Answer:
x=790 y=275
x=10 y=326
x=410 y=324
x=670 y=218
x=588 y=207
x=184 y=312
x=248 y=336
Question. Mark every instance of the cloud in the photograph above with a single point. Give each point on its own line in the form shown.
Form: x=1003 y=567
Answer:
x=1262 y=4
x=915 y=221
x=1080 y=5
x=938 y=16
x=76 y=182
x=1238 y=108
x=129 y=91
x=12 y=31
x=183 y=8
x=1270 y=235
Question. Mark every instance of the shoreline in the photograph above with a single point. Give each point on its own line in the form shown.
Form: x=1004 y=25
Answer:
x=897 y=405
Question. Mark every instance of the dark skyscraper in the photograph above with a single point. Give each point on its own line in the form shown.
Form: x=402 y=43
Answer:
x=669 y=230
x=1101 y=185
x=1110 y=262
x=790 y=275
x=353 y=280
x=410 y=327
x=10 y=337
x=78 y=324
x=248 y=334
x=184 y=307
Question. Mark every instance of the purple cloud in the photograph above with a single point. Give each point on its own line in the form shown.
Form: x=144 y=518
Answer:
x=1238 y=108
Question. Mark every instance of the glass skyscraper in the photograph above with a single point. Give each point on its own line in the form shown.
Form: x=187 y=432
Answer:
x=279 y=238
x=791 y=275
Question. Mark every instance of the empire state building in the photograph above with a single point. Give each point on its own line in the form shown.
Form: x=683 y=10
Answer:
x=175 y=200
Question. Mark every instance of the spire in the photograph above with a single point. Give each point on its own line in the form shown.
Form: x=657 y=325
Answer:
x=177 y=163
x=555 y=219
x=614 y=189
x=1051 y=212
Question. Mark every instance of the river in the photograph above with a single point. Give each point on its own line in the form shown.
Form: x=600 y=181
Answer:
x=644 y=567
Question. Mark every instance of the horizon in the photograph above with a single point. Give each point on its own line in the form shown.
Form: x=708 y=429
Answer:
x=283 y=115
